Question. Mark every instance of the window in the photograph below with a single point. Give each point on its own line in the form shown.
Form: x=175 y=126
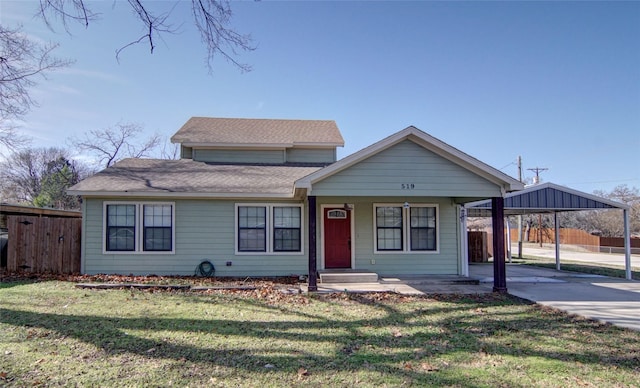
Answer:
x=337 y=214
x=252 y=229
x=389 y=228
x=121 y=227
x=269 y=228
x=423 y=228
x=139 y=227
x=286 y=229
x=157 y=227
x=406 y=228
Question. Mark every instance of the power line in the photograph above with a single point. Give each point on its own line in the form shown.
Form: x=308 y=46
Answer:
x=537 y=170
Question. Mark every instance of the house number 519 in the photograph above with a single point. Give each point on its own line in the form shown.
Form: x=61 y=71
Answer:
x=407 y=186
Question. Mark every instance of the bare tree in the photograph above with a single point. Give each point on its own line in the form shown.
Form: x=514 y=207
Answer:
x=212 y=18
x=21 y=61
x=111 y=144
x=40 y=176
x=169 y=150
x=607 y=222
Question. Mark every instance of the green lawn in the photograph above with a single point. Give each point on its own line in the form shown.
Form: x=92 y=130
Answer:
x=52 y=333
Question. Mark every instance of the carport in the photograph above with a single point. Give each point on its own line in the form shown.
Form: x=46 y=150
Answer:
x=551 y=198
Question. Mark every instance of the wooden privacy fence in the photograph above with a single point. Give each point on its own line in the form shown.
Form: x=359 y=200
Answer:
x=44 y=244
x=567 y=236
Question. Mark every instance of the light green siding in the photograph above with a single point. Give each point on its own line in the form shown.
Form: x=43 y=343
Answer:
x=406 y=169
x=239 y=156
x=444 y=262
x=204 y=230
x=311 y=155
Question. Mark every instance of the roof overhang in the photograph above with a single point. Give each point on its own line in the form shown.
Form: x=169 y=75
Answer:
x=263 y=146
x=182 y=195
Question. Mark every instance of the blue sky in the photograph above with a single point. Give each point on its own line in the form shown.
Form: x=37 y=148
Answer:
x=557 y=83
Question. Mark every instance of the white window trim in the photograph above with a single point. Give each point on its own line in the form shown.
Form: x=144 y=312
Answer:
x=269 y=230
x=139 y=225
x=406 y=228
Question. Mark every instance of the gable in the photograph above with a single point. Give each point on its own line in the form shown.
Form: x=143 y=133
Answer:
x=406 y=169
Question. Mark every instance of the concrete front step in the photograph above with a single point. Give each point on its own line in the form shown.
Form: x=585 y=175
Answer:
x=430 y=280
x=348 y=277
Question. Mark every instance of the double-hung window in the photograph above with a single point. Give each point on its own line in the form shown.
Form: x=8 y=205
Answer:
x=406 y=228
x=287 y=229
x=121 y=227
x=252 y=229
x=139 y=227
x=268 y=228
x=389 y=228
x=157 y=224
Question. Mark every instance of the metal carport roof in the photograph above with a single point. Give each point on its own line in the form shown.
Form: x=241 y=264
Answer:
x=551 y=198
x=544 y=198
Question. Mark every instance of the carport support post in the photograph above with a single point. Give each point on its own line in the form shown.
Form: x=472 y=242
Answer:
x=557 y=228
x=627 y=244
x=499 y=266
x=313 y=269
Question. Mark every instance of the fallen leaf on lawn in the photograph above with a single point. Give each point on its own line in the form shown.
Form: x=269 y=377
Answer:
x=428 y=367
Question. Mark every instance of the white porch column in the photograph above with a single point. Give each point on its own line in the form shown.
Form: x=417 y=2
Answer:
x=464 y=241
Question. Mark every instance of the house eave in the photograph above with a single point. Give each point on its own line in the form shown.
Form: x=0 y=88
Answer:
x=254 y=146
x=182 y=195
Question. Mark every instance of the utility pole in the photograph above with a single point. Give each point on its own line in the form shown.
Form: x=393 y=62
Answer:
x=520 y=168
x=537 y=170
x=536 y=180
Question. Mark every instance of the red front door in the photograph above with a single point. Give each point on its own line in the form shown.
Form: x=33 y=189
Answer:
x=337 y=238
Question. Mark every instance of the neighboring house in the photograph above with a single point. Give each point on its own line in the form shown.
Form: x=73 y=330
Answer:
x=268 y=198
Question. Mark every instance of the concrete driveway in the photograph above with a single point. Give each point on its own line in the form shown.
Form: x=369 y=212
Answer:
x=602 y=298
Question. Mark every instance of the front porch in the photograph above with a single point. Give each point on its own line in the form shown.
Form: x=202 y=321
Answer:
x=354 y=281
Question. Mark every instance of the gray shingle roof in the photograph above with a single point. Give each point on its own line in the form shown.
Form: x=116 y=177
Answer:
x=231 y=131
x=186 y=177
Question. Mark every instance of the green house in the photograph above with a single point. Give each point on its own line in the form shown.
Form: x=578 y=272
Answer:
x=262 y=197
